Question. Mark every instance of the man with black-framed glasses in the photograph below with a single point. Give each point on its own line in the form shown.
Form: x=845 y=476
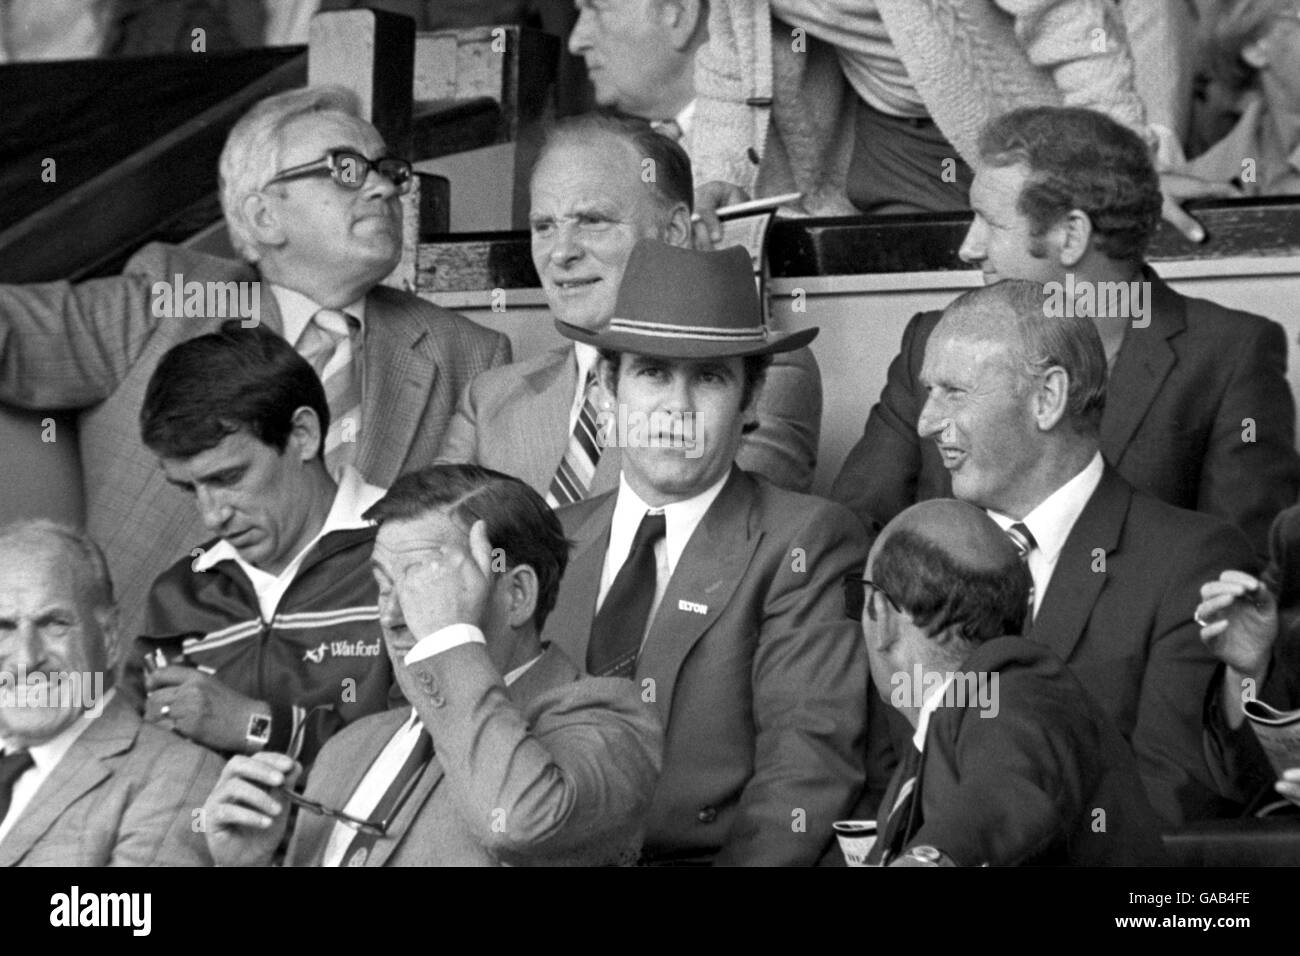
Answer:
x=1010 y=761
x=311 y=198
x=509 y=753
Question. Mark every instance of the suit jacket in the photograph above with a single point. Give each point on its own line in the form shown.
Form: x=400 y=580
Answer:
x=762 y=692
x=516 y=419
x=125 y=794
x=93 y=346
x=1118 y=611
x=1023 y=784
x=1173 y=426
x=557 y=768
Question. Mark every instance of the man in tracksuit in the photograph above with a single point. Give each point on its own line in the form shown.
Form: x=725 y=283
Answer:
x=267 y=636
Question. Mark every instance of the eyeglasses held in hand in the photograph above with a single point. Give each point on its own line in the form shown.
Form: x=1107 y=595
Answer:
x=350 y=169
x=368 y=826
x=857 y=590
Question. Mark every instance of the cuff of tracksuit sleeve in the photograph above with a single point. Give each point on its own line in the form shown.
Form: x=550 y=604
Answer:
x=444 y=639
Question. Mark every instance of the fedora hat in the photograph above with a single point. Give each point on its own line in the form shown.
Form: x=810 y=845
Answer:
x=682 y=303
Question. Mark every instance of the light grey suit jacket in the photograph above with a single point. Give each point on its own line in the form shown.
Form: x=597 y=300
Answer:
x=93 y=346
x=516 y=419
x=556 y=769
x=125 y=794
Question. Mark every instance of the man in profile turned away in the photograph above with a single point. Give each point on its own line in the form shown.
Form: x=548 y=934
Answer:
x=83 y=781
x=591 y=202
x=1011 y=762
x=509 y=754
x=715 y=590
x=1015 y=400
x=1198 y=413
x=640 y=57
x=312 y=202
x=268 y=635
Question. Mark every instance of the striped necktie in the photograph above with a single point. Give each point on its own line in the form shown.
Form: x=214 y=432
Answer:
x=329 y=345
x=358 y=850
x=898 y=826
x=1023 y=539
x=578 y=466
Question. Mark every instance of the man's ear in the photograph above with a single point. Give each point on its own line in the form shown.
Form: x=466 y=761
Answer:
x=681 y=19
x=1074 y=238
x=108 y=620
x=679 y=231
x=262 y=220
x=305 y=435
x=521 y=587
x=1051 y=398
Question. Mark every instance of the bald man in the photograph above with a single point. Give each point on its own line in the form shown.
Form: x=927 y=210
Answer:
x=1012 y=763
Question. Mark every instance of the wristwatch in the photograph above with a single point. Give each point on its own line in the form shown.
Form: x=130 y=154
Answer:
x=926 y=855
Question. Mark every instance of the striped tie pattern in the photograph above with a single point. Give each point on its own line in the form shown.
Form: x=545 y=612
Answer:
x=1024 y=542
x=328 y=345
x=578 y=466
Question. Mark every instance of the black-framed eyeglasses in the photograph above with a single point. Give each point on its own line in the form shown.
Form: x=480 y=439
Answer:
x=349 y=169
x=368 y=826
x=856 y=593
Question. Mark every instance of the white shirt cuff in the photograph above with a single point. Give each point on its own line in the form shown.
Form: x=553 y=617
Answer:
x=444 y=639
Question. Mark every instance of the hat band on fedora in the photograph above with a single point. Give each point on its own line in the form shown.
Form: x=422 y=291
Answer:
x=755 y=333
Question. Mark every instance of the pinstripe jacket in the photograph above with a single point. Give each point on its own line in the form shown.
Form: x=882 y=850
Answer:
x=320 y=660
x=92 y=347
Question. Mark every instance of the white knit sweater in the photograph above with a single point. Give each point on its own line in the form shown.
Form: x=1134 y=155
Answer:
x=970 y=60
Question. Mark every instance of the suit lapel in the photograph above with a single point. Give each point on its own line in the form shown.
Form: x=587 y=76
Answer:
x=399 y=378
x=1073 y=590
x=573 y=616
x=1144 y=362
x=707 y=575
x=551 y=670
x=534 y=431
x=84 y=767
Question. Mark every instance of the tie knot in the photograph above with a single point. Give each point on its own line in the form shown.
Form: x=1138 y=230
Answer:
x=651 y=529
x=1022 y=538
x=337 y=325
x=14 y=765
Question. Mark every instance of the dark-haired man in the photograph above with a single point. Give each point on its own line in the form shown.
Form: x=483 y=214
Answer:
x=602 y=184
x=1199 y=412
x=1011 y=762
x=508 y=754
x=717 y=591
x=266 y=636
x=1014 y=404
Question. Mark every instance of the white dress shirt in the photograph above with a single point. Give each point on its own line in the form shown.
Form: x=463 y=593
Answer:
x=587 y=357
x=352 y=499
x=928 y=707
x=45 y=758
x=1051 y=522
x=681 y=518
x=393 y=757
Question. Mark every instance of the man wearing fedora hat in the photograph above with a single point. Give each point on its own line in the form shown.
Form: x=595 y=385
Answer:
x=601 y=184
x=715 y=590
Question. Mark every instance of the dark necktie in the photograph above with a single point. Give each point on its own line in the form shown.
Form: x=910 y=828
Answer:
x=619 y=626
x=1023 y=539
x=359 y=849
x=12 y=766
x=901 y=802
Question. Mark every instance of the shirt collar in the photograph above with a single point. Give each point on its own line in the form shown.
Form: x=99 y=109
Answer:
x=680 y=517
x=352 y=499
x=686 y=118
x=296 y=310
x=1051 y=522
x=587 y=357
x=48 y=754
x=928 y=707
